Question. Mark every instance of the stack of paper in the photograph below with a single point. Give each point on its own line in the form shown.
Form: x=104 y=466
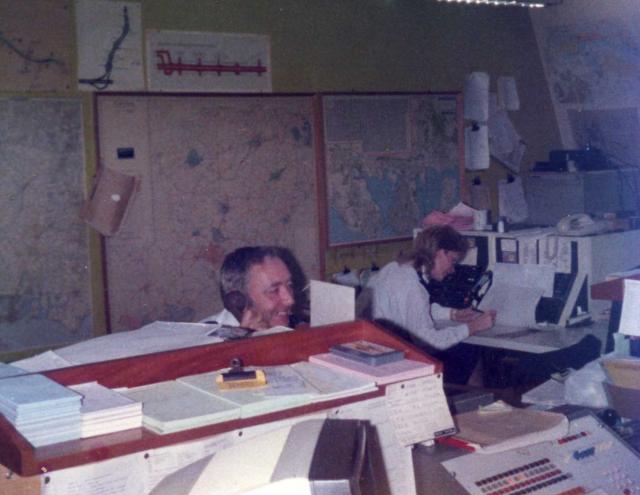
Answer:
x=405 y=369
x=499 y=427
x=7 y=370
x=332 y=384
x=42 y=410
x=105 y=411
x=285 y=388
x=172 y=406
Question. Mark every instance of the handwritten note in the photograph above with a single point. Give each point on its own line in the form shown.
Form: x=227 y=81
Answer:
x=120 y=475
x=396 y=458
x=418 y=410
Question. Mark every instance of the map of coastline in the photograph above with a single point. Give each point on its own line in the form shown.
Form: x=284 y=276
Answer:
x=379 y=192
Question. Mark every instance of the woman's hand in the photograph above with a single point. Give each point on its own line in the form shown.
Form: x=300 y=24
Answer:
x=484 y=321
x=464 y=315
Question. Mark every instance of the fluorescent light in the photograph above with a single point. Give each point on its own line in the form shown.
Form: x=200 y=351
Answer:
x=503 y=3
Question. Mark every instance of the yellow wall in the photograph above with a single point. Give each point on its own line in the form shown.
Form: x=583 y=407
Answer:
x=367 y=45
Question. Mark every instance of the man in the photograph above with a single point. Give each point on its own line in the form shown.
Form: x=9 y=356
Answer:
x=257 y=292
x=256 y=288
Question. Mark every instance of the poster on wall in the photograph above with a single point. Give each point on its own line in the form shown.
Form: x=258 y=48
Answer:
x=109 y=39
x=35 y=45
x=208 y=62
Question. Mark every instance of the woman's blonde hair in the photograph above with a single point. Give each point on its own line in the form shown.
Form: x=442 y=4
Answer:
x=429 y=241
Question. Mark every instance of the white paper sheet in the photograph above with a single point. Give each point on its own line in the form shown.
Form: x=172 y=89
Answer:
x=154 y=337
x=331 y=303
x=508 y=93
x=117 y=476
x=48 y=360
x=476 y=97
x=418 y=410
x=397 y=458
x=512 y=204
x=201 y=61
x=516 y=306
x=505 y=143
x=166 y=460
x=630 y=317
x=109 y=33
x=524 y=275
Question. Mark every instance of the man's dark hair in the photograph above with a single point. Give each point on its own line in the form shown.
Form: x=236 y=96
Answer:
x=236 y=266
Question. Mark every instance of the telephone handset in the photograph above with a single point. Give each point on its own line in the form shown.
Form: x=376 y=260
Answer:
x=579 y=224
x=479 y=289
x=236 y=302
x=463 y=288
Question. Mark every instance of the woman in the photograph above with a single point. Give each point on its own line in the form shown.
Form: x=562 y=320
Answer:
x=400 y=300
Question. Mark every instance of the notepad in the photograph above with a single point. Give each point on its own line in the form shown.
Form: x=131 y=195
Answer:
x=405 y=369
x=7 y=370
x=332 y=384
x=284 y=389
x=367 y=352
x=26 y=397
x=173 y=406
x=42 y=410
x=105 y=411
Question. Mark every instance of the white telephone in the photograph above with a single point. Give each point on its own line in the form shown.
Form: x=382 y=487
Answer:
x=580 y=224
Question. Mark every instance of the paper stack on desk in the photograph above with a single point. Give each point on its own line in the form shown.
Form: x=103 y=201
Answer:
x=332 y=384
x=42 y=410
x=105 y=411
x=285 y=388
x=7 y=370
x=406 y=369
x=173 y=406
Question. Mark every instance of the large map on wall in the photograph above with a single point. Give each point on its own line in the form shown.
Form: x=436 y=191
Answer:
x=390 y=160
x=36 y=45
x=217 y=173
x=591 y=63
x=591 y=54
x=44 y=257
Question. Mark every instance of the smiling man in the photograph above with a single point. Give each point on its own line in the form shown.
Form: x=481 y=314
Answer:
x=256 y=288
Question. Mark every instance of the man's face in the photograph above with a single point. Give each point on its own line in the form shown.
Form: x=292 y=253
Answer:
x=270 y=292
x=444 y=264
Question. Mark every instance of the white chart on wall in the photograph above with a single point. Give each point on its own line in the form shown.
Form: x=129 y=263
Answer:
x=211 y=62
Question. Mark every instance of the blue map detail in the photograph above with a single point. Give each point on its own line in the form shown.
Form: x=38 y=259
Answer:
x=590 y=63
x=377 y=193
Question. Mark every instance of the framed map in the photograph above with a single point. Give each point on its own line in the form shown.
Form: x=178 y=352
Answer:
x=387 y=161
x=45 y=293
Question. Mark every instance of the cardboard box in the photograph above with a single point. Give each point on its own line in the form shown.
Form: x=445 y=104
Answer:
x=625 y=401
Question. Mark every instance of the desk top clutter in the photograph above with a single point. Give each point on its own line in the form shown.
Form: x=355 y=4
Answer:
x=159 y=383
x=460 y=217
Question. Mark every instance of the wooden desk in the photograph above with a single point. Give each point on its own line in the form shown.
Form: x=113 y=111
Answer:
x=22 y=458
x=611 y=290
